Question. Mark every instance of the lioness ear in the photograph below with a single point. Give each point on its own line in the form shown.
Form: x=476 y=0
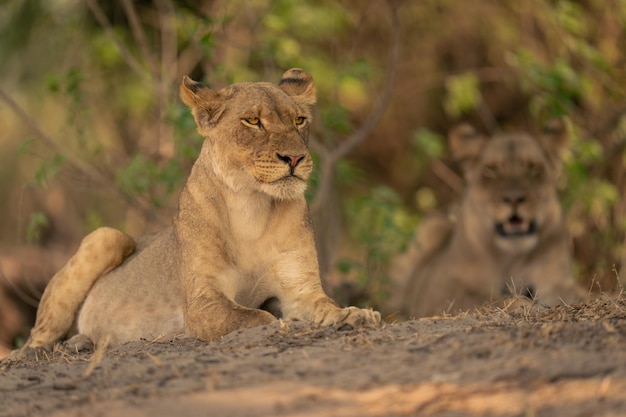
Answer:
x=554 y=137
x=205 y=103
x=465 y=144
x=299 y=84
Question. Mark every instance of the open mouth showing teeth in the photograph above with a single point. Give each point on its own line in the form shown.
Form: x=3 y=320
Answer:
x=515 y=226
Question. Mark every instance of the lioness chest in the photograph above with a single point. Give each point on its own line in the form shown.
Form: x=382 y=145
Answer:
x=263 y=234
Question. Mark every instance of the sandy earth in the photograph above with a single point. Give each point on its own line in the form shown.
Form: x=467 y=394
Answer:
x=566 y=361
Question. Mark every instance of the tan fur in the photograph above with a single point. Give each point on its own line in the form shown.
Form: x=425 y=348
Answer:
x=479 y=255
x=242 y=235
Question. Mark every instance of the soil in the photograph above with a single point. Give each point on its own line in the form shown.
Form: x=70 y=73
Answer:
x=564 y=361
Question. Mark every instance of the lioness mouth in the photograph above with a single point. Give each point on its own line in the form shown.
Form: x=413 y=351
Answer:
x=515 y=226
x=288 y=177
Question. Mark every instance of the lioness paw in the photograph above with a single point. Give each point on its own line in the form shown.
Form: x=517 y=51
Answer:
x=353 y=317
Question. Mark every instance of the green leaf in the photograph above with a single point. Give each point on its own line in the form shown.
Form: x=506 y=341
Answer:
x=429 y=143
x=345 y=266
x=336 y=118
x=348 y=172
x=49 y=169
x=53 y=83
x=137 y=176
x=93 y=220
x=36 y=224
x=462 y=94
x=25 y=146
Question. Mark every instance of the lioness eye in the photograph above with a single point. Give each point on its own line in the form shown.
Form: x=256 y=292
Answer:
x=299 y=120
x=253 y=121
x=535 y=169
x=489 y=172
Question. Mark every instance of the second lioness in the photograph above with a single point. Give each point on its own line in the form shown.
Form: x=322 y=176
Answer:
x=508 y=235
x=242 y=238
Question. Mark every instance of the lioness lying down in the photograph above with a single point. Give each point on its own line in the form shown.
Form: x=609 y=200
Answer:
x=508 y=237
x=242 y=238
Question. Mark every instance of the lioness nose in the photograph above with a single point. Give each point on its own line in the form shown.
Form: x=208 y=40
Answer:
x=292 y=160
x=514 y=200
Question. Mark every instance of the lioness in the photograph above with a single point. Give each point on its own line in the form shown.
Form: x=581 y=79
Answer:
x=241 y=240
x=508 y=236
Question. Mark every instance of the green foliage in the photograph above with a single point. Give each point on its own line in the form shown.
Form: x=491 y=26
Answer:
x=379 y=222
x=595 y=196
x=428 y=144
x=93 y=220
x=36 y=224
x=111 y=103
x=48 y=169
x=425 y=199
x=462 y=94
x=336 y=118
x=600 y=197
x=187 y=141
x=19 y=342
x=104 y=51
x=348 y=173
x=69 y=89
x=69 y=85
x=142 y=176
x=556 y=88
x=25 y=146
x=289 y=26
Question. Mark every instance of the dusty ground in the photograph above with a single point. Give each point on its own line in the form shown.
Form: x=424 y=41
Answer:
x=567 y=361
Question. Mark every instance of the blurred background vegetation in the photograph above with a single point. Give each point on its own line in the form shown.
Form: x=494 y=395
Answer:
x=93 y=132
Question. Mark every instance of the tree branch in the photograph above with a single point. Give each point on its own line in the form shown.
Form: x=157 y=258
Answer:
x=330 y=157
x=83 y=169
x=448 y=176
x=50 y=143
x=167 y=72
x=377 y=112
x=108 y=28
x=138 y=33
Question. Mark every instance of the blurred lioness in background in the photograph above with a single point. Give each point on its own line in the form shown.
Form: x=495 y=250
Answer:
x=508 y=236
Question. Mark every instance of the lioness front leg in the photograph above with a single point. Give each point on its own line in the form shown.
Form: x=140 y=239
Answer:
x=303 y=298
x=211 y=315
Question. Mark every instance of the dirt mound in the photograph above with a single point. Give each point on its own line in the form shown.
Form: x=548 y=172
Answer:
x=564 y=361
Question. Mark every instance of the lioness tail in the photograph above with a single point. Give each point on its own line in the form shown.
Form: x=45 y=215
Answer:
x=101 y=251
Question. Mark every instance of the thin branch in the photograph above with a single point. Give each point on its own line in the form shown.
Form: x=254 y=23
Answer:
x=331 y=156
x=108 y=28
x=168 y=69
x=138 y=33
x=48 y=141
x=73 y=163
x=317 y=147
x=169 y=48
x=448 y=176
x=377 y=113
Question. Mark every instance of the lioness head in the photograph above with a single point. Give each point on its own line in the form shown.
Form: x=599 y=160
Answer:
x=511 y=182
x=257 y=133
